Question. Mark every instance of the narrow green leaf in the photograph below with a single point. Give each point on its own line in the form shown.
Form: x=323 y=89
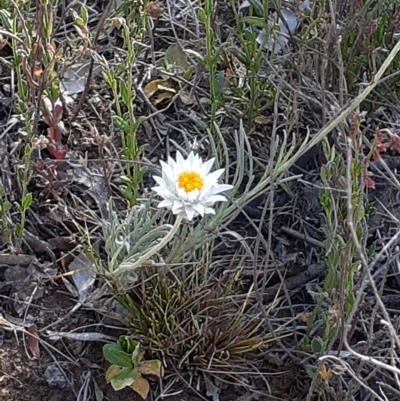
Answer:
x=256 y=21
x=26 y=202
x=127 y=344
x=219 y=82
x=200 y=124
x=5 y=20
x=202 y=16
x=84 y=14
x=122 y=124
x=18 y=230
x=126 y=96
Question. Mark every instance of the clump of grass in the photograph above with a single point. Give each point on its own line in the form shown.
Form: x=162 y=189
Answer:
x=194 y=323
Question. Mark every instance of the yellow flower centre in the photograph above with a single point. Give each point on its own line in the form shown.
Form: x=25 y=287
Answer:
x=189 y=181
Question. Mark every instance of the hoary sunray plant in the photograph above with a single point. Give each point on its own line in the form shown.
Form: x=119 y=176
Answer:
x=182 y=311
x=145 y=231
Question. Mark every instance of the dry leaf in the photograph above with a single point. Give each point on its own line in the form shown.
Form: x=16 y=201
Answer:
x=325 y=374
x=161 y=96
x=141 y=386
x=262 y=120
x=186 y=99
x=112 y=371
x=303 y=318
x=152 y=367
x=33 y=342
x=152 y=87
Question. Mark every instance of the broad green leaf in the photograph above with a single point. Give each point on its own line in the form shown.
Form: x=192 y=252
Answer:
x=202 y=16
x=116 y=355
x=137 y=355
x=5 y=207
x=112 y=371
x=176 y=59
x=126 y=377
x=317 y=346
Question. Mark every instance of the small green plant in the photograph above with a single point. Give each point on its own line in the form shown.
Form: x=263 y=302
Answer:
x=370 y=34
x=256 y=94
x=133 y=25
x=211 y=58
x=342 y=176
x=5 y=207
x=38 y=88
x=128 y=368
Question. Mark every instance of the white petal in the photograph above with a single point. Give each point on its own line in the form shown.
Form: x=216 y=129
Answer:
x=193 y=195
x=179 y=160
x=167 y=172
x=196 y=164
x=199 y=209
x=171 y=162
x=182 y=194
x=168 y=203
x=209 y=210
x=213 y=177
x=206 y=167
x=160 y=181
x=191 y=157
x=177 y=206
x=218 y=188
x=190 y=213
x=165 y=193
x=215 y=198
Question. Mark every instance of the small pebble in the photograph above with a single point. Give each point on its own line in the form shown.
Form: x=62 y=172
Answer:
x=55 y=377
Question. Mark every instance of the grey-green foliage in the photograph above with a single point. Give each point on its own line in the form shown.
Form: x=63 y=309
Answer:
x=127 y=240
x=241 y=162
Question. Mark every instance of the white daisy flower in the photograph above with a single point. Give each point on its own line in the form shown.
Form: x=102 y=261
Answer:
x=188 y=187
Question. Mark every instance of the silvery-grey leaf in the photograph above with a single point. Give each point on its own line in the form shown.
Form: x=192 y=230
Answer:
x=280 y=39
x=84 y=277
x=74 y=79
x=305 y=5
x=290 y=19
x=91 y=336
x=244 y=6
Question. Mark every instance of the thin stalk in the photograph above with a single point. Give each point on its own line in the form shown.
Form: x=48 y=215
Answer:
x=132 y=266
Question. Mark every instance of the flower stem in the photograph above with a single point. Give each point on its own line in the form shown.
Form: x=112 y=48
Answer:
x=132 y=266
